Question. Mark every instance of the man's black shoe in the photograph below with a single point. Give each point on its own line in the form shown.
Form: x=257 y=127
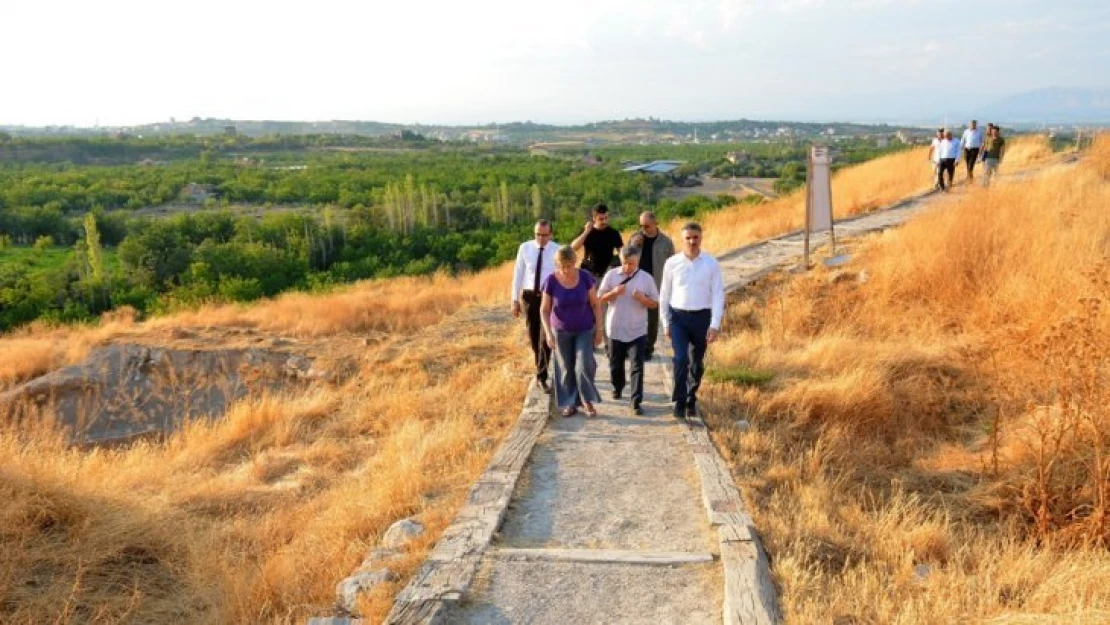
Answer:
x=692 y=411
x=637 y=410
x=648 y=356
x=544 y=385
x=616 y=393
x=680 y=411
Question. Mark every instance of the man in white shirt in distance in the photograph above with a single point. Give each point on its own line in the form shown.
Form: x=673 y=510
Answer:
x=949 y=154
x=972 y=141
x=630 y=293
x=535 y=261
x=692 y=305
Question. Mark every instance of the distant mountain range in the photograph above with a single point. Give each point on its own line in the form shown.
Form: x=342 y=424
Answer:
x=1052 y=105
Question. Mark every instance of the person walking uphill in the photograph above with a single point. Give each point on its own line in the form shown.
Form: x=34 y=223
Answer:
x=571 y=315
x=631 y=294
x=692 y=305
x=949 y=149
x=656 y=248
x=600 y=241
x=535 y=261
x=993 y=149
x=972 y=141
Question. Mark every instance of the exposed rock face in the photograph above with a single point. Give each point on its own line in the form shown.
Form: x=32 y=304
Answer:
x=124 y=391
x=401 y=532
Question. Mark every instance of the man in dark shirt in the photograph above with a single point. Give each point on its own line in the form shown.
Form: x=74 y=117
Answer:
x=656 y=248
x=601 y=243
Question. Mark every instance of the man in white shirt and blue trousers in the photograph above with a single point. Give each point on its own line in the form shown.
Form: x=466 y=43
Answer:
x=972 y=142
x=692 y=305
x=535 y=261
x=630 y=293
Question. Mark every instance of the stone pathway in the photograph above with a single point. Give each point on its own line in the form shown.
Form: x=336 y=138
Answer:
x=600 y=499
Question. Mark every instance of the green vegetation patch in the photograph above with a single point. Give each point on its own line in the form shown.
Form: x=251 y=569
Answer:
x=740 y=375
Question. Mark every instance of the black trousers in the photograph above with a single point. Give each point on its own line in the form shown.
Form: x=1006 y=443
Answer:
x=619 y=352
x=689 y=338
x=946 y=165
x=530 y=301
x=971 y=155
x=653 y=332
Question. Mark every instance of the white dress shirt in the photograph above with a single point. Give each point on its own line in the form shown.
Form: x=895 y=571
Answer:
x=972 y=138
x=692 y=285
x=950 y=148
x=524 y=273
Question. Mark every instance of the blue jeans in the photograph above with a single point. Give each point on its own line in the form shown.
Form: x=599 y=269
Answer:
x=689 y=331
x=575 y=368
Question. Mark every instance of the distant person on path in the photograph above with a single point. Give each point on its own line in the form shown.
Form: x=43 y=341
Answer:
x=972 y=141
x=692 y=302
x=571 y=315
x=949 y=153
x=993 y=149
x=535 y=261
x=934 y=158
x=630 y=293
x=656 y=248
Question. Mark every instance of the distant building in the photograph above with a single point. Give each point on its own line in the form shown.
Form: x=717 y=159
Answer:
x=882 y=142
x=737 y=157
x=230 y=131
x=655 y=167
x=903 y=136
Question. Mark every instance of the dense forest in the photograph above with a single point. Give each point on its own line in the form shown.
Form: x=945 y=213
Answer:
x=89 y=224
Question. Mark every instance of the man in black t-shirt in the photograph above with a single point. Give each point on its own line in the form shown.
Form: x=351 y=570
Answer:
x=601 y=242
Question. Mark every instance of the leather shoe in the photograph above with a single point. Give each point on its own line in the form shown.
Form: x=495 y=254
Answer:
x=680 y=412
x=692 y=411
x=637 y=410
x=544 y=385
x=616 y=393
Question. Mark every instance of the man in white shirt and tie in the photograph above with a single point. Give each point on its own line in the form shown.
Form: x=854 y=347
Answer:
x=535 y=261
x=692 y=305
x=972 y=141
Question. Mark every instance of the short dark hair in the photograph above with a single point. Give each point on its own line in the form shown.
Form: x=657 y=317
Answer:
x=601 y=209
x=692 y=225
x=543 y=223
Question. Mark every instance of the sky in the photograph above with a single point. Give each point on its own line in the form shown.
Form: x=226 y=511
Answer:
x=123 y=62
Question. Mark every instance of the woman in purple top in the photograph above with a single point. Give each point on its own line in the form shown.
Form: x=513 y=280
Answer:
x=571 y=316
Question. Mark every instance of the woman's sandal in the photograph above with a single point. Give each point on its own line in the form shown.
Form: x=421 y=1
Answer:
x=570 y=411
x=590 y=410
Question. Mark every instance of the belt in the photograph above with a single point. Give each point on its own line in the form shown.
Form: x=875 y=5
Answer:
x=690 y=311
x=531 y=293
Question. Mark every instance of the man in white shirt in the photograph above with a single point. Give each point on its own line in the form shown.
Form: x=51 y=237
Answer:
x=630 y=293
x=934 y=157
x=972 y=141
x=535 y=261
x=692 y=305
x=949 y=150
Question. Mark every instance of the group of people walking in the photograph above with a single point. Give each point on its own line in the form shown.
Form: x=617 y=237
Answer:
x=569 y=310
x=946 y=151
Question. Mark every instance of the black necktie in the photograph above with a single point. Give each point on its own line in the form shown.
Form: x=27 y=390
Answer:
x=539 y=263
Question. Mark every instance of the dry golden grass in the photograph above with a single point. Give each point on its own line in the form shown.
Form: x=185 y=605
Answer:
x=933 y=448
x=256 y=516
